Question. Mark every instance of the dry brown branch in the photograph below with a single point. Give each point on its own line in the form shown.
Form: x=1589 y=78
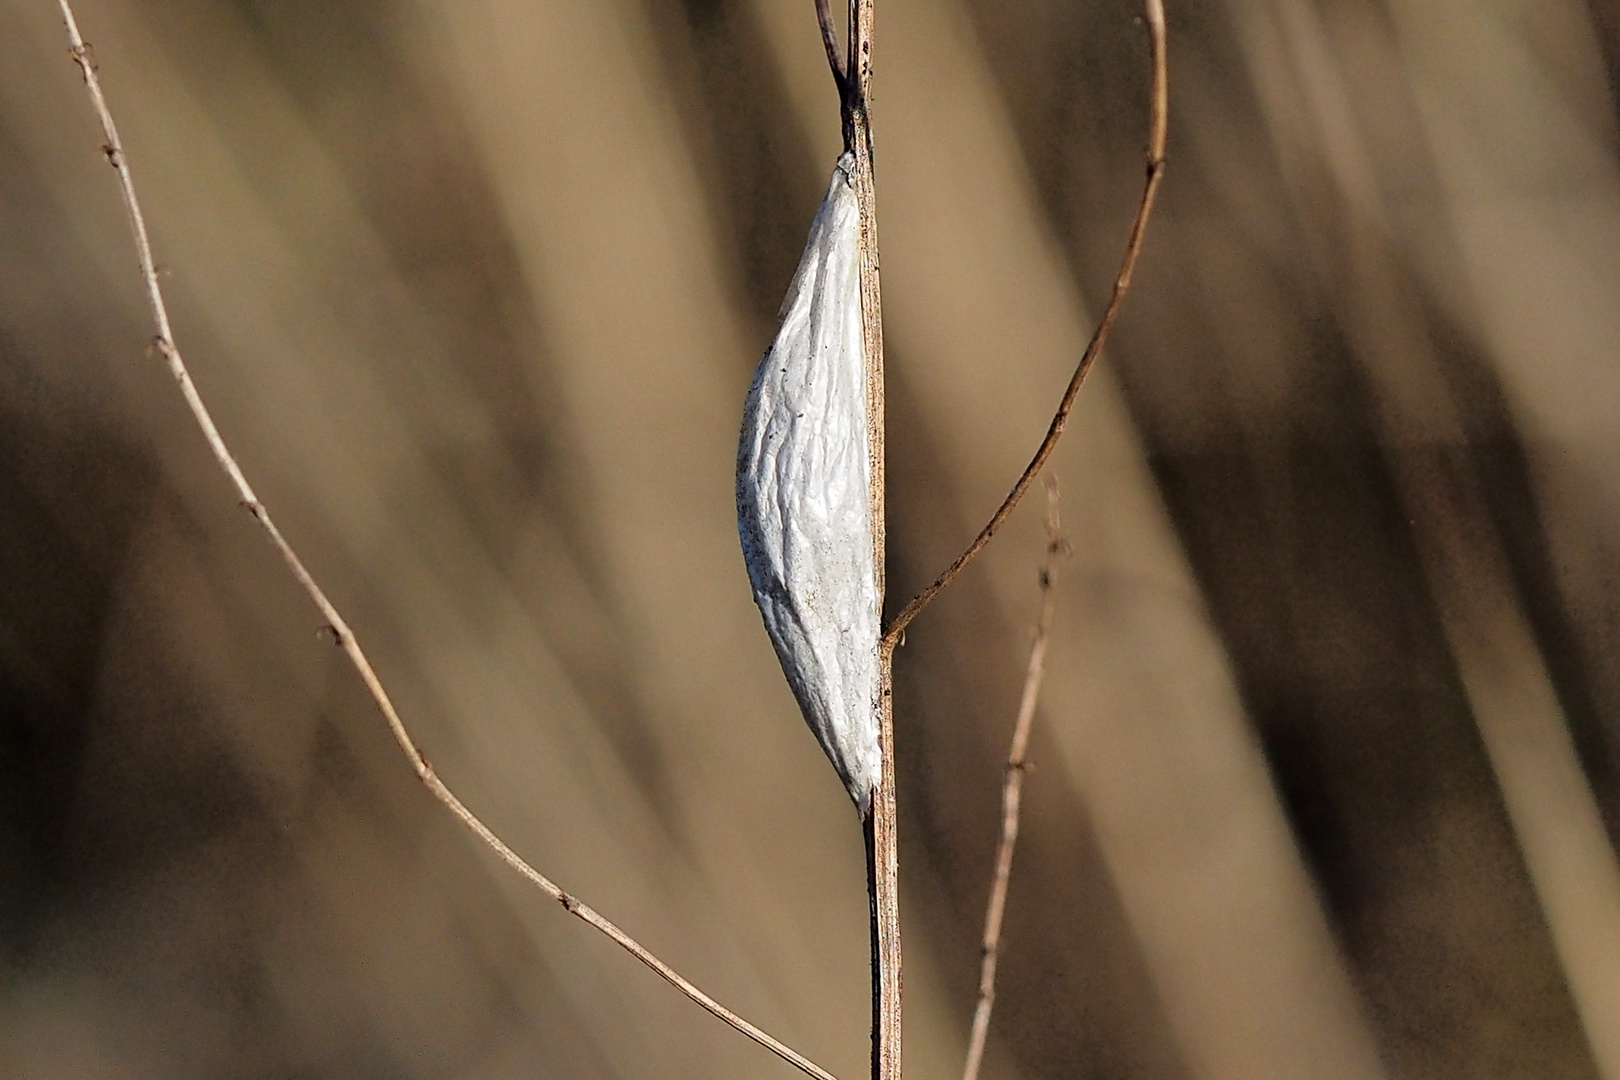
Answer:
x=1012 y=791
x=882 y=820
x=164 y=342
x=1158 y=129
x=829 y=40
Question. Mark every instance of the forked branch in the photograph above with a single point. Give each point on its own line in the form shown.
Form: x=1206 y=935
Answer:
x=1012 y=792
x=164 y=342
x=829 y=41
x=1158 y=129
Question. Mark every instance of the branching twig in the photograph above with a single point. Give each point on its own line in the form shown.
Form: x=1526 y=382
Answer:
x=1013 y=790
x=829 y=40
x=1157 y=130
x=164 y=342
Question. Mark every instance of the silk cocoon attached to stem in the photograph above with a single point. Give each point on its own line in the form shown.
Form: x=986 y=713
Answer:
x=803 y=500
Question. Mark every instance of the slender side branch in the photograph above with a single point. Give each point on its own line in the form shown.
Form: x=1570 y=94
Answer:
x=829 y=40
x=164 y=342
x=1158 y=129
x=1012 y=792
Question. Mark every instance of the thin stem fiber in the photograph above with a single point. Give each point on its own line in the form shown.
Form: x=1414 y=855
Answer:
x=1012 y=791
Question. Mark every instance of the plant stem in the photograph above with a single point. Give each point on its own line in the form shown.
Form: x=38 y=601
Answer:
x=829 y=40
x=1013 y=787
x=164 y=342
x=1158 y=129
x=854 y=79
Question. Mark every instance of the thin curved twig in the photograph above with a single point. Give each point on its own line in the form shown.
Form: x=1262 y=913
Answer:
x=1012 y=792
x=1159 y=125
x=829 y=41
x=164 y=342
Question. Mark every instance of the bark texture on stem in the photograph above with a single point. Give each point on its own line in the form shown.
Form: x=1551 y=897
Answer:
x=164 y=343
x=881 y=823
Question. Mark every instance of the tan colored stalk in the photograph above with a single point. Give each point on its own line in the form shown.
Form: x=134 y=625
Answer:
x=854 y=81
x=852 y=74
x=1158 y=130
x=1012 y=791
x=164 y=342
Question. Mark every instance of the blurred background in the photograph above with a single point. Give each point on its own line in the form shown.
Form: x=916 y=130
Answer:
x=1328 y=760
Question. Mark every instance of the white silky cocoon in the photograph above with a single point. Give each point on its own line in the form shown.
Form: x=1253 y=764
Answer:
x=803 y=507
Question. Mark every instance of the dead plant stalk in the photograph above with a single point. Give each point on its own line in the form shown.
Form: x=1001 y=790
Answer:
x=853 y=77
x=1012 y=791
x=165 y=345
x=881 y=825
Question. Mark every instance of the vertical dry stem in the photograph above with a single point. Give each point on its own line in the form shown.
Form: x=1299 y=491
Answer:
x=1012 y=791
x=164 y=342
x=882 y=824
x=1158 y=131
x=854 y=81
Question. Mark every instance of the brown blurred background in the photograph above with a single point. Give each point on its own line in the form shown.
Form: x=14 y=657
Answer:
x=1329 y=757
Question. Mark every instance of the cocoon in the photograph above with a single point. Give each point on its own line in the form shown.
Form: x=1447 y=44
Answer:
x=803 y=508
